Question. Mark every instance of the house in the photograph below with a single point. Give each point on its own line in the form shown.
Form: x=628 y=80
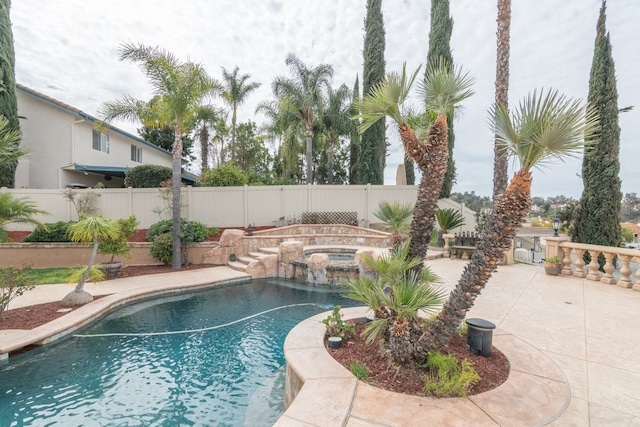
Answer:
x=70 y=148
x=635 y=229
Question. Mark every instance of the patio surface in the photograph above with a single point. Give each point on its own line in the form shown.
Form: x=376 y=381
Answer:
x=590 y=330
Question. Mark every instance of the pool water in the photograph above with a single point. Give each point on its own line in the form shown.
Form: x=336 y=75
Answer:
x=208 y=358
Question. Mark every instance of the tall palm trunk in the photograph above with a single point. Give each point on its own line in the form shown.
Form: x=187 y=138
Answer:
x=233 y=134
x=309 y=153
x=431 y=157
x=204 y=147
x=175 y=200
x=500 y=176
x=509 y=211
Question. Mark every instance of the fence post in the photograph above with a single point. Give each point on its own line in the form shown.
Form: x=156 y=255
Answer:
x=245 y=206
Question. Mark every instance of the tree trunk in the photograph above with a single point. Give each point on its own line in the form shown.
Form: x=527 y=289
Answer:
x=92 y=259
x=233 y=134
x=175 y=200
x=502 y=91
x=509 y=211
x=431 y=158
x=204 y=147
x=309 y=153
x=330 y=161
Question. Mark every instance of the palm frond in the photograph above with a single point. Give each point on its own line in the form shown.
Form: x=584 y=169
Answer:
x=375 y=329
x=449 y=218
x=385 y=99
x=10 y=149
x=395 y=215
x=444 y=88
x=546 y=126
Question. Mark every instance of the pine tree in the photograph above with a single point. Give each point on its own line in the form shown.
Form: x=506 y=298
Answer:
x=598 y=219
x=440 y=50
x=8 y=101
x=354 y=138
x=373 y=147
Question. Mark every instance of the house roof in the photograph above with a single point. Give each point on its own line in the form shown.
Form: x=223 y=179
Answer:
x=79 y=113
x=635 y=228
x=120 y=171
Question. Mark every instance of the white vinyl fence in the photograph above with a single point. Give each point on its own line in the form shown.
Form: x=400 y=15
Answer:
x=234 y=206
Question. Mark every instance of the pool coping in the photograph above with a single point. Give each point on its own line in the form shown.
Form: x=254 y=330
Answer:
x=321 y=392
x=134 y=289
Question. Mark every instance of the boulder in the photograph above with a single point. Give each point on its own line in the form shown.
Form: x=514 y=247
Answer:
x=317 y=268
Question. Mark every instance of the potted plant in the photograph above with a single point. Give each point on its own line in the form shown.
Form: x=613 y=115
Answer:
x=338 y=329
x=118 y=246
x=553 y=265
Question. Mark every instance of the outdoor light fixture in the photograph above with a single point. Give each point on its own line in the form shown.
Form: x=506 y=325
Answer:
x=555 y=223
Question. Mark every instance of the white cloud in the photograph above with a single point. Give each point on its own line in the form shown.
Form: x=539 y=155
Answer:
x=68 y=50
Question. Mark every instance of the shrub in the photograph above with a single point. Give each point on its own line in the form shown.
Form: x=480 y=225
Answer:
x=13 y=283
x=447 y=377
x=223 y=176
x=56 y=232
x=160 y=236
x=359 y=370
x=336 y=327
x=119 y=246
x=147 y=176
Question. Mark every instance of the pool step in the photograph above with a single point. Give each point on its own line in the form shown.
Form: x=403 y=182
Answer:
x=246 y=259
x=237 y=265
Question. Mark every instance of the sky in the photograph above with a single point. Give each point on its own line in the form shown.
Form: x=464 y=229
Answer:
x=68 y=49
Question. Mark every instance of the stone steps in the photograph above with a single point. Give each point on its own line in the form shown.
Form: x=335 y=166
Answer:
x=237 y=265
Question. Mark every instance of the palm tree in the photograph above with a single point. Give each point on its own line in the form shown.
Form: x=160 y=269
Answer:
x=396 y=296
x=10 y=149
x=545 y=127
x=89 y=229
x=335 y=122
x=181 y=87
x=305 y=91
x=206 y=117
x=17 y=211
x=448 y=219
x=500 y=176
x=442 y=91
x=235 y=92
x=396 y=217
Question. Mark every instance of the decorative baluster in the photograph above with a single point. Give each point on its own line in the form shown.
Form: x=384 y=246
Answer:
x=636 y=287
x=608 y=269
x=625 y=272
x=579 y=271
x=593 y=267
x=566 y=262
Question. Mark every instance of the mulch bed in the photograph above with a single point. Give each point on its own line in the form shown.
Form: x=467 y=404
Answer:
x=407 y=379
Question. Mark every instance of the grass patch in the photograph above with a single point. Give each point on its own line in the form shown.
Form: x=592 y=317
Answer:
x=359 y=370
x=48 y=276
x=447 y=377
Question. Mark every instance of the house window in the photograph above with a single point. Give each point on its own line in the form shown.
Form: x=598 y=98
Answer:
x=136 y=154
x=100 y=141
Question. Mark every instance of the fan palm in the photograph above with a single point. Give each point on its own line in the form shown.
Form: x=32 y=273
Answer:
x=396 y=217
x=235 y=92
x=448 y=219
x=545 y=127
x=442 y=91
x=180 y=88
x=396 y=296
x=305 y=92
x=15 y=210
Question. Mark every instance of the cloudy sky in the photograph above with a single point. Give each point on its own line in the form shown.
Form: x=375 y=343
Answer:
x=68 y=49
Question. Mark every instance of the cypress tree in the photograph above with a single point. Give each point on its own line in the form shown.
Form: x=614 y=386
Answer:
x=8 y=101
x=373 y=147
x=354 y=143
x=440 y=50
x=598 y=219
x=409 y=171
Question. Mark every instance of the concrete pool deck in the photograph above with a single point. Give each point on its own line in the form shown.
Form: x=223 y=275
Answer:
x=587 y=331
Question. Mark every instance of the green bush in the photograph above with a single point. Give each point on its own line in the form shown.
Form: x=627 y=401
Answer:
x=119 y=245
x=448 y=378
x=56 y=232
x=160 y=236
x=223 y=176
x=162 y=249
x=147 y=176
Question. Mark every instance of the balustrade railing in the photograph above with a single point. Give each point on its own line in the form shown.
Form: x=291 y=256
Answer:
x=620 y=267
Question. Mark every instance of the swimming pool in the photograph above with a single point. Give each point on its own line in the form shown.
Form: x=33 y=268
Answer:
x=207 y=358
